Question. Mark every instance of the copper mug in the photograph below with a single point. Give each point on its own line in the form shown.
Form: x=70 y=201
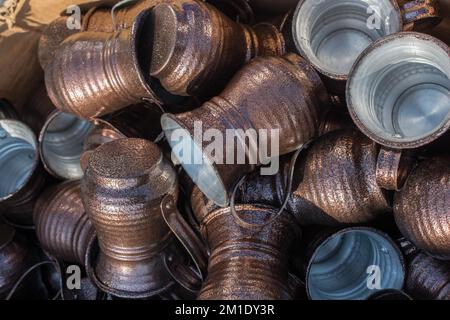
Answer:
x=115 y=64
x=352 y=264
x=62 y=225
x=61 y=144
x=122 y=189
x=189 y=61
x=398 y=92
x=331 y=34
x=22 y=176
x=422 y=207
x=270 y=93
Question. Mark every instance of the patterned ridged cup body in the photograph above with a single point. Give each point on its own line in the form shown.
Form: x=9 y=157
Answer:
x=96 y=73
x=13 y=258
x=422 y=207
x=334 y=182
x=269 y=93
x=428 y=278
x=62 y=225
x=201 y=48
x=247 y=264
x=122 y=189
x=22 y=177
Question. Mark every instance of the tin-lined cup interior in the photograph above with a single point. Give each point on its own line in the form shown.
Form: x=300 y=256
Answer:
x=400 y=90
x=62 y=142
x=332 y=33
x=346 y=266
x=196 y=165
x=18 y=156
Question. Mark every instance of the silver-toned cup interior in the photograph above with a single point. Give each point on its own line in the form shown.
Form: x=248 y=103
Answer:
x=62 y=143
x=400 y=91
x=18 y=156
x=342 y=267
x=190 y=156
x=331 y=34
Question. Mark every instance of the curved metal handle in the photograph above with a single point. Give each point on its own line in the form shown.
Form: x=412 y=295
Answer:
x=393 y=168
x=188 y=239
x=420 y=14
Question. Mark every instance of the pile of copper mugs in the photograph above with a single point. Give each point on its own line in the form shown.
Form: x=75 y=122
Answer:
x=359 y=208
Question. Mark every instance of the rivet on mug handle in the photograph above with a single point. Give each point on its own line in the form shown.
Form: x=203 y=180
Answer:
x=187 y=237
x=393 y=168
x=420 y=14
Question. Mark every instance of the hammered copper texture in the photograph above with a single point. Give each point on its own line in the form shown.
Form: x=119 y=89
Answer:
x=248 y=264
x=269 y=93
x=122 y=189
x=97 y=73
x=190 y=61
x=62 y=225
x=422 y=207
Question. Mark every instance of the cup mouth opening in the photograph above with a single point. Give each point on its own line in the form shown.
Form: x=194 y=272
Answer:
x=199 y=167
x=61 y=156
x=21 y=138
x=360 y=249
x=316 y=51
x=389 y=95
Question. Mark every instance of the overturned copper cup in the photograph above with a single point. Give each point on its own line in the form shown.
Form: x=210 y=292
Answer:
x=428 y=278
x=22 y=176
x=334 y=182
x=247 y=264
x=422 y=207
x=62 y=225
x=332 y=34
x=61 y=144
x=189 y=61
x=122 y=189
x=273 y=101
x=352 y=264
x=115 y=65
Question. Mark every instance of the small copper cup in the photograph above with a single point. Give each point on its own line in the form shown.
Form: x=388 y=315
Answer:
x=332 y=34
x=270 y=94
x=62 y=225
x=189 y=61
x=114 y=63
x=422 y=207
x=122 y=189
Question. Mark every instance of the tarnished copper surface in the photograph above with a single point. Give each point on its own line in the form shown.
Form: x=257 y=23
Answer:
x=37 y=109
x=62 y=225
x=14 y=257
x=122 y=189
x=334 y=183
x=248 y=264
x=24 y=171
x=427 y=278
x=420 y=14
x=139 y=121
x=52 y=36
x=114 y=63
x=335 y=120
x=189 y=61
x=393 y=168
x=269 y=93
x=7 y=111
x=422 y=207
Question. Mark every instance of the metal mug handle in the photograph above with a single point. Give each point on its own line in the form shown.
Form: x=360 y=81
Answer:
x=420 y=14
x=193 y=245
x=393 y=168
